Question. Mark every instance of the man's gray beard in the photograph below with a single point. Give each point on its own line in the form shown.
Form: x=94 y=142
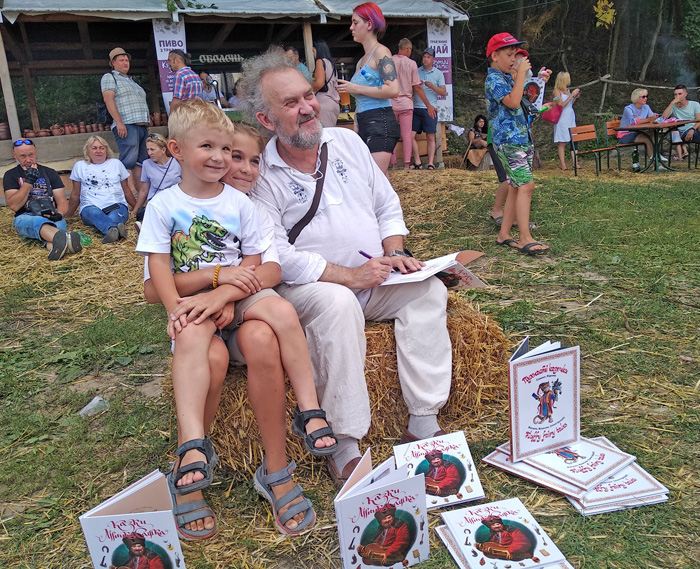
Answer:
x=300 y=140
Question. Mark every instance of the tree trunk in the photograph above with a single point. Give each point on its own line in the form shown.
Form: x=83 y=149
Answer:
x=650 y=57
x=519 y=18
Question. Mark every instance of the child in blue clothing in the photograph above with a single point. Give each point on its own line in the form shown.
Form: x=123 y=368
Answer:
x=512 y=139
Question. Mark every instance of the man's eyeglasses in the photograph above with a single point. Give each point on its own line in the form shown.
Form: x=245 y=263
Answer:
x=22 y=141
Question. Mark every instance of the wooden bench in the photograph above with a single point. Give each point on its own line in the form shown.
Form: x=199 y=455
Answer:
x=586 y=133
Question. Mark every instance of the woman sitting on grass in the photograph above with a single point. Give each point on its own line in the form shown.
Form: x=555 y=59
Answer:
x=101 y=190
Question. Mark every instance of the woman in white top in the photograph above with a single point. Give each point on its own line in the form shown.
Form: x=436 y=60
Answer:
x=158 y=173
x=567 y=120
x=100 y=189
x=325 y=84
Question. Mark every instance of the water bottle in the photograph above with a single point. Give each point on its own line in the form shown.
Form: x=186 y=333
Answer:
x=635 y=160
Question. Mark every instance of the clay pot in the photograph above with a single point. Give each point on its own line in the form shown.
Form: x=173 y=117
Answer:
x=88 y=128
x=163 y=119
x=44 y=132
x=57 y=130
x=29 y=133
x=94 y=127
x=5 y=132
x=101 y=127
x=82 y=128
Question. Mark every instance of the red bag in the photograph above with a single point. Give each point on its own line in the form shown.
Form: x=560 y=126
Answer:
x=552 y=115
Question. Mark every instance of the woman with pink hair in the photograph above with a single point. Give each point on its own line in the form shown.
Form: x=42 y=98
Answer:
x=373 y=85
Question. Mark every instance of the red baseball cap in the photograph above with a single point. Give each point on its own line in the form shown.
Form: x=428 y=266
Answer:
x=522 y=51
x=501 y=40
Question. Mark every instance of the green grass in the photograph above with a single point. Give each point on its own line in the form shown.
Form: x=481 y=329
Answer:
x=622 y=282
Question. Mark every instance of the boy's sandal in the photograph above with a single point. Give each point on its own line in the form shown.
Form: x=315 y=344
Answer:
x=430 y=167
x=528 y=249
x=206 y=468
x=263 y=483
x=299 y=420
x=415 y=166
x=191 y=512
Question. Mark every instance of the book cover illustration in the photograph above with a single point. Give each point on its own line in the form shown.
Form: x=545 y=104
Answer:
x=628 y=488
x=448 y=467
x=500 y=458
x=500 y=535
x=544 y=399
x=135 y=528
x=461 y=561
x=584 y=464
x=382 y=519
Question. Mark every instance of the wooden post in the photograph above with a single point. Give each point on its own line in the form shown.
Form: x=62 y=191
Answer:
x=31 y=99
x=7 y=92
x=309 y=47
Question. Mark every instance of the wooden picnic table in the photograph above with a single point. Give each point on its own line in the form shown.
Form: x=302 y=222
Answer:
x=658 y=132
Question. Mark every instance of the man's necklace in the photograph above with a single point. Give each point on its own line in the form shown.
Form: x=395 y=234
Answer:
x=296 y=166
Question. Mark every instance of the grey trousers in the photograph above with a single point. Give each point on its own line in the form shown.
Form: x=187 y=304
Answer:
x=334 y=323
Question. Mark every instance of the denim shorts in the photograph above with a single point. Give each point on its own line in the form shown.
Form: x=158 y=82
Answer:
x=29 y=225
x=422 y=122
x=132 y=148
x=379 y=129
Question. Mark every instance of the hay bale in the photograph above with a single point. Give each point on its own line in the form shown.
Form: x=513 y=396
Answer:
x=479 y=353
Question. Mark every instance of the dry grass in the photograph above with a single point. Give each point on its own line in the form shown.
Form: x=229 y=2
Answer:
x=479 y=351
x=76 y=290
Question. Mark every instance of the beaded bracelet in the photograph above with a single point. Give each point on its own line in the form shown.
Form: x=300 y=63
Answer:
x=215 y=282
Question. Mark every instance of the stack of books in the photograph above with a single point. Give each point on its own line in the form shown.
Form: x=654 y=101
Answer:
x=546 y=446
x=499 y=535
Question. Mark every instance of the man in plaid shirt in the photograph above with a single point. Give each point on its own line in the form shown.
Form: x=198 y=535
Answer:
x=188 y=84
x=126 y=103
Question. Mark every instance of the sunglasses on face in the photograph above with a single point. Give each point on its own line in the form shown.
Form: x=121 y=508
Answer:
x=644 y=96
x=22 y=141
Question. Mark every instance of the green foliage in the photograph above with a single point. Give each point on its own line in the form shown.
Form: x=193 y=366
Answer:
x=691 y=25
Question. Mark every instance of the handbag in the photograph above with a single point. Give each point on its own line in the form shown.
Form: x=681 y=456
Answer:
x=552 y=115
x=304 y=221
x=44 y=207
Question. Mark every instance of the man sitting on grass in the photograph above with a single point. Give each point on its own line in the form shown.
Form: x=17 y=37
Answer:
x=37 y=196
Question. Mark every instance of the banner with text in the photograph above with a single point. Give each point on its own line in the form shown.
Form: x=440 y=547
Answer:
x=167 y=35
x=440 y=39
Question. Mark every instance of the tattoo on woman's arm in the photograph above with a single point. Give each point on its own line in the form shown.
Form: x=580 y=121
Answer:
x=387 y=69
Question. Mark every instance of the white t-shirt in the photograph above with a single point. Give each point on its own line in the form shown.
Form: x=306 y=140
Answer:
x=357 y=211
x=100 y=184
x=160 y=177
x=200 y=233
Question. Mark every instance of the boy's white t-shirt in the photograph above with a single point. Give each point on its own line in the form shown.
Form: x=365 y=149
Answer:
x=100 y=184
x=200 y=233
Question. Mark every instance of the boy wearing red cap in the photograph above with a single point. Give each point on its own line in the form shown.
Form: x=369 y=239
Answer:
x=512 y=138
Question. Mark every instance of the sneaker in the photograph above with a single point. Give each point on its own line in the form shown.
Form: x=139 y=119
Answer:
x=74 y=245
x=122 y=230
x=112 y=235
x=59 y=245
x=664 y=159
x=137 y=225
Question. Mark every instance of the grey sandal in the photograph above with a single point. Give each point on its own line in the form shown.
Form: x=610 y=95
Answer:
x=191 y=512
x=264 y=482
x=206 y=468
x=299 y=420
